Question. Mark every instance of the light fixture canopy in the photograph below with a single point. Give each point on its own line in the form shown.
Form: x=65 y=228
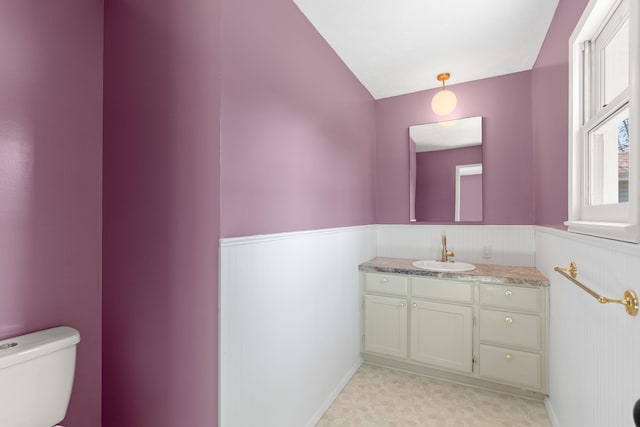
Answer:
x=444 y=102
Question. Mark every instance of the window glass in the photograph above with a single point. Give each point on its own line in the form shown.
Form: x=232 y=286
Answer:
x=615 y=64
x=608 y=157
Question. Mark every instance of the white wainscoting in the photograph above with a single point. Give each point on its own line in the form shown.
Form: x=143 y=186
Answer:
x=594 y=348
x=289 y=323
x=509 y=244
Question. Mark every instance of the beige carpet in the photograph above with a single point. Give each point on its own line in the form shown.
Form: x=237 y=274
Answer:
x=380 y=397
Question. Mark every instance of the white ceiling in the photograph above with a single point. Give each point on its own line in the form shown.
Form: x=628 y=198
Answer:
x=400 y=46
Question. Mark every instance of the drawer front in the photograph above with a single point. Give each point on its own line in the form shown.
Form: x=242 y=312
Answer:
x=511 y=297
x=446 y=290
x=386 y=284
x=511 y=329
x=511 y=366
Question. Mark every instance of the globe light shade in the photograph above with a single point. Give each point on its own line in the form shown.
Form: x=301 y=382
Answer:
x=444 y=102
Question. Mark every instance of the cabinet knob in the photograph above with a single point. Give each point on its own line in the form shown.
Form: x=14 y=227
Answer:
x=414 y=305
x=508 y=320
x=508 y=293
x=508 y=356
x=401 y=305
x=384 y=280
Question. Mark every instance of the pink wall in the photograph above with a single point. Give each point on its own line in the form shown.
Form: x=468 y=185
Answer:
x=161 y=213
x=298 y=129
x=505 y=104
x=50 y=180
x=550 y=116
x=436 y=182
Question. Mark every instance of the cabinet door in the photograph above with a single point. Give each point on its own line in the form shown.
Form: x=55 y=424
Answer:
x=441 y=335
x=385 y=325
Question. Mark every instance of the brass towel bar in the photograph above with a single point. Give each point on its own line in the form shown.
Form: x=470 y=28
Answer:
x=630 y=300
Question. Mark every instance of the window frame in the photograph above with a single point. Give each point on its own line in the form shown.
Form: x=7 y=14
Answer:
x=620 y=221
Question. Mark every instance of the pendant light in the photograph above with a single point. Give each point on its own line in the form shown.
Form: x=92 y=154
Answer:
x=443 y=102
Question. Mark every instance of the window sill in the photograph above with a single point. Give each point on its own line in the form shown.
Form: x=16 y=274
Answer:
x=610 y=230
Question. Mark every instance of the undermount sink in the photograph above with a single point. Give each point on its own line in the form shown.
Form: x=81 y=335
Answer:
x=444 y=267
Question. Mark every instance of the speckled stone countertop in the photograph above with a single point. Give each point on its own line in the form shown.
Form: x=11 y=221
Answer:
x=483 y=272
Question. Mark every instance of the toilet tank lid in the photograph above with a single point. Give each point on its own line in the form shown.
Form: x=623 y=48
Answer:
x=26 y=347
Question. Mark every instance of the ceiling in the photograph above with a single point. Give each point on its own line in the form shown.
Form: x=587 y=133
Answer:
x=396 y=47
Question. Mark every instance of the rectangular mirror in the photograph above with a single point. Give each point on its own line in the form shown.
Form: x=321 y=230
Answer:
x=445 y=181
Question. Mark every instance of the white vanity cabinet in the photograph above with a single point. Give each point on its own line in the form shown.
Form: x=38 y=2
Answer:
x=512 y=327
x=486 y=334
x=441 y=322
x=441 y=335
x=385 y=324
x=438 y=313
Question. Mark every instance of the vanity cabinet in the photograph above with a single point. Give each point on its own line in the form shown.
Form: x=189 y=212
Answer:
x=511 y=331
x=385 y=325
x=438 y=313
x=441 y=335
x=487 y=334
x=441 y=323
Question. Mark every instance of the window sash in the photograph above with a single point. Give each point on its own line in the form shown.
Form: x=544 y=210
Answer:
x=620 y=221
x=595 y=65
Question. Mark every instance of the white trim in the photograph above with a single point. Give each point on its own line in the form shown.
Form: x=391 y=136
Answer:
x=248 y=240
x=551 y=413
x=334 y=395
x=610 y=230
x=625 y=228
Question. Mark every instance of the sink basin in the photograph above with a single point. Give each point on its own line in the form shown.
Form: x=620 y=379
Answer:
x=444 y=266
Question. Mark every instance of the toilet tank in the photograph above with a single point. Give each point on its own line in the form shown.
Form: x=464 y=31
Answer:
x=36 y=377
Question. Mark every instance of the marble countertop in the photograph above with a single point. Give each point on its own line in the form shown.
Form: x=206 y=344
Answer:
x=484 y=272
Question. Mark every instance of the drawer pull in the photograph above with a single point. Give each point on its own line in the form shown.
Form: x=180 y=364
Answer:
x=401 y=305
x=508 y=356
x=508 y=293
x=384 y=280
x=508 y=320
x=415 y=305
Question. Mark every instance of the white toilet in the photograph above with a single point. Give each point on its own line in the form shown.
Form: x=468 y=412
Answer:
x=36 y=377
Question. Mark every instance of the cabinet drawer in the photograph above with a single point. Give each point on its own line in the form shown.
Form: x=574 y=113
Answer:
x=510 y=297
x=446 y=290
x=511 y=366
x=511 y=329
x=386 y=284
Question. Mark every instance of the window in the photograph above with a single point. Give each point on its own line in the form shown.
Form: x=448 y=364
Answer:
x=604 y=108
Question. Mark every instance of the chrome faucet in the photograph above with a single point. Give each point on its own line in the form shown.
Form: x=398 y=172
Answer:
x=445 y=253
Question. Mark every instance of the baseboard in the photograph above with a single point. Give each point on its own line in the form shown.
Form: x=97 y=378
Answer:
x=552 y=415
x=334 y=395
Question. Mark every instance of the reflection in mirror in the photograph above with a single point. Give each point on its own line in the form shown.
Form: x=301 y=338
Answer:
x=469 y=192
x=446 y=171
